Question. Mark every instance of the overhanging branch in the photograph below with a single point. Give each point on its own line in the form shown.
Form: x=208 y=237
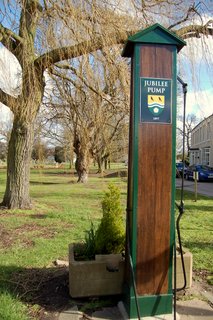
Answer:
x=8 y=100
x=191 y=10
x=85 y=47
x=9 y=39
x=195 y=31
x=99 y=42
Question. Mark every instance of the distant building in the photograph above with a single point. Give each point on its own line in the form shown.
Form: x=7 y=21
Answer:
x=201 y=150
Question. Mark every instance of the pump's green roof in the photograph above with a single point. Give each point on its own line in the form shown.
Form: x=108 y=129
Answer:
x=154 y=34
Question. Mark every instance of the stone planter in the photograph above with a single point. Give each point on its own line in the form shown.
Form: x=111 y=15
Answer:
x=100 y=277
x=104 y=275
x=187 y=257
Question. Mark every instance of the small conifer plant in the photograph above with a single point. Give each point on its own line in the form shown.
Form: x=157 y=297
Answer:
x=110 y=235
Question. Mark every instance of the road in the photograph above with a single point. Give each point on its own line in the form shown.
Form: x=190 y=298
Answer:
x=204 y=188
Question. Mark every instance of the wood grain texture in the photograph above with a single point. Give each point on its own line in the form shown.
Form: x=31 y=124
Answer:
x=154 y=204
x=154 y=185
x=156 y=61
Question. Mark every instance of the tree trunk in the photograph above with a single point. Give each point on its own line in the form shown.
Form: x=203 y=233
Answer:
x=18 y=166
x=82 y=167
x=106 y=162
x=82 y=159
x=100 y=163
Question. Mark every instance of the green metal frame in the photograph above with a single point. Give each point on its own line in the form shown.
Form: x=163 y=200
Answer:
x=174 y=111
x=133 y=244
x=155 y=34
x=135 y=150
x=152 y=304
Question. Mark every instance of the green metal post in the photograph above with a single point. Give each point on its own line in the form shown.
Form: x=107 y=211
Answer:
x=153 y=120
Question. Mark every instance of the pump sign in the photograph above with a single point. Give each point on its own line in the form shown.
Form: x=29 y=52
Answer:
x=155 y=100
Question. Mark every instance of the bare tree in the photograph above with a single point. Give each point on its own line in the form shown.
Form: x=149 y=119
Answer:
x=43 y=33
x=190 y=123
x=92 y=102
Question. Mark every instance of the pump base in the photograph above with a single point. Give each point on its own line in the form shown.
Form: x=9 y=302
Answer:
x=125 y=316
x=149 y=305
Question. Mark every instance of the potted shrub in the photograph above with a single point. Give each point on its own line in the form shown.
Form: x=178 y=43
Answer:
x=102 y=273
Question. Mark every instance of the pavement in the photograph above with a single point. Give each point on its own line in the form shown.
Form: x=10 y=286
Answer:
x=204 y=188
x=197 y=305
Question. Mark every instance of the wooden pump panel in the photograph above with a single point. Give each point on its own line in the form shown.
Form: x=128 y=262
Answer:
x=151 y=172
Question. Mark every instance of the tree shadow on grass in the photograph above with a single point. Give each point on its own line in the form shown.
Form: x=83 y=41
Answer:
x=189 y=195
x=45 y=183
x=51 y=183
x=59 y=173
x=196 y=207
x=46 y=287
x=197 y=244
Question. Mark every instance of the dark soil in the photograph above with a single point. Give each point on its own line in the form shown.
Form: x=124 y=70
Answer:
x=48 y=288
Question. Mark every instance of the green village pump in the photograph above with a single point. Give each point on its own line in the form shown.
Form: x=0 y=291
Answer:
x=151 y=175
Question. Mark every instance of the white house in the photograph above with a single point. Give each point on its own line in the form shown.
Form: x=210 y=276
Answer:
x=201 y=150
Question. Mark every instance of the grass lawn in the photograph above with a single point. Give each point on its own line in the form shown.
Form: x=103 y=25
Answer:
x=30 y=241
x=197 y=232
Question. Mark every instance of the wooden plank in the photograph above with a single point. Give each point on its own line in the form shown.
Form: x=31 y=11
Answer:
x=154 y=204
x=156 y=61
x=154 y=185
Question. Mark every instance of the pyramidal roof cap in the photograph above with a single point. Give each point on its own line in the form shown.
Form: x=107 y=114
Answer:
x=154 y=34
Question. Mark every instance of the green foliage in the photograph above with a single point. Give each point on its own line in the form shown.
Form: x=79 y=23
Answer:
x=110 y=236
x=210 y=280
x=11 y=308
x=59 y=154
x=90 y=242
x=86 y=250
x=97 y=303
x=196 y=230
